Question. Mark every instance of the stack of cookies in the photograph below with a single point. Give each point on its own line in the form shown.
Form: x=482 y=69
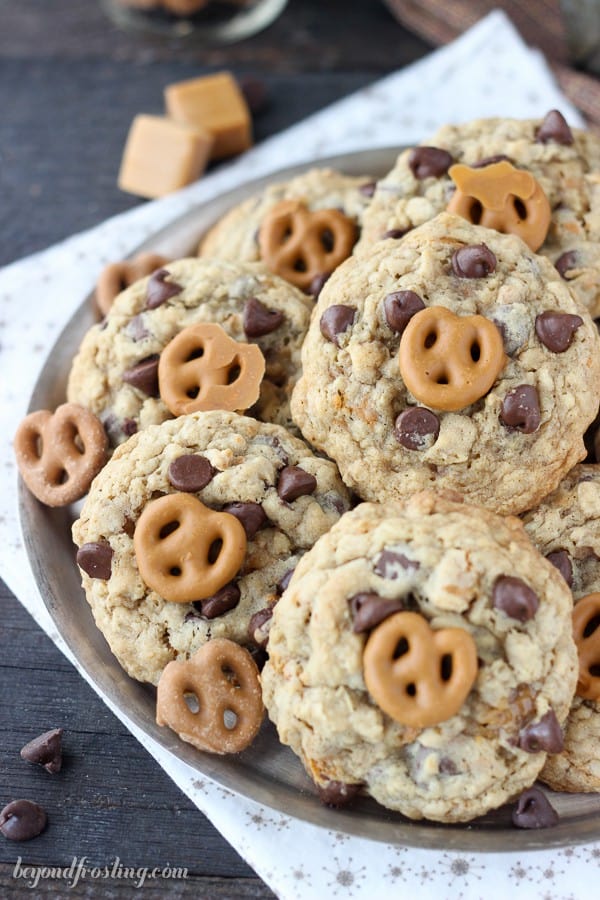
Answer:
x=333 y=470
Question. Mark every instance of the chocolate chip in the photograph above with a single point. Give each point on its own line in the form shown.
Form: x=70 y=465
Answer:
x=337 y=793
x=258 y=627
x=417 y=428
x=544 y=736
x=399 y=307
x=490 y=160
x=251 y=515
x=318 y=283
x=368 y=189
x=45 y=750
x=255 y=93
x=136 y=329
x=159 y=290
x=129 y=427
x=474 y=261
x=259 y=319
x=554 y=128
x=335 y=320
x=555 y=330
x=22 y=820
x=521 y=409
x=221 y=602
x=514 y=598
x=95 y=559
x=294 y=482
x=368 y=610
x=566 y=262
x=425 y=162
x=561 y=560
x=389 y=561
x=191 y=472
x=144 y=375
x=534 y=810
x=284 y=581
x=395 y=233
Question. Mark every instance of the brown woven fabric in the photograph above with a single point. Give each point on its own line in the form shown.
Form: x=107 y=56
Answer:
x=539 y=21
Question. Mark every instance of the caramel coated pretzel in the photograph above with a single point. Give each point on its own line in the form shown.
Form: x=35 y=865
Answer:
x=449 y=361
x=203 y=368
x=224 y=680
x=416 y=675
x=502 y=197
x=186 y=551
x=586 y=618
x=120 y=275
x=58 y=454
x=299 y=244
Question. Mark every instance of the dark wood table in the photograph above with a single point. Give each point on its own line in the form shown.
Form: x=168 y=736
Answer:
x=70 y=83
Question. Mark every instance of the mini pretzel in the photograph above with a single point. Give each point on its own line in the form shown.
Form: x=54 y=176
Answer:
x=418 y=676
x=502 y=197
x=120 y=275
x=448 y=361
x=58 y=454
x=203 y=368
x=223 y=678
x=299 y=244
x=186 y=551
x=586 y=633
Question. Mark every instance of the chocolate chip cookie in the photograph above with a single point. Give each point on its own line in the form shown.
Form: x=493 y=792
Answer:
x=191 y=530
x=565 y=163
x=302 y=228
x=422 y=652
x=566 y=529
x=455 y=358
x=116 y=371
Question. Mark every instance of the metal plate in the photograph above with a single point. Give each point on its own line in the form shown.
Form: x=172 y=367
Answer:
x=267 y=772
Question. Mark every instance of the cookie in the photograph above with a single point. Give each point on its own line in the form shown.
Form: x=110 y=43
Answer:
x=302 y=246
x=115 y=373
x=455 y=358
x=565 y=162
x=566 y=529
x=423 y=653
x=256 y=490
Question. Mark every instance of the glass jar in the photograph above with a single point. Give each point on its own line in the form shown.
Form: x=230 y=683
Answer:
x=212 y=21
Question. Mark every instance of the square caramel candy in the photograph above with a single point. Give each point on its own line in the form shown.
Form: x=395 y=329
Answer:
x=216 y=103
x=161 y=156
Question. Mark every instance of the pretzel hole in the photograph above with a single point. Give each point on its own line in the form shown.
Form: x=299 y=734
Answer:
x=62 y=476
x=192 y=702
x=591 y=626
x=168 y=529
x=411 y=689
x=327 y=240
x=430 y=340
x=286 y=234
x=78 y=443
x=401 y=648
x=299 y=265
x=214 y=550
x=230 y=719
x=594 y=670
x=475 y=351
x=37 y=444
x=193 y=392
x=520 y=208
x=234 y=372
x=196 y=353
x=442 y=379
x=475 y=212
x=175 y=571
x=446 y=667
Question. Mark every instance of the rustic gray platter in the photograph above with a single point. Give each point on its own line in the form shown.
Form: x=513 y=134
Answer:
x=267 y=772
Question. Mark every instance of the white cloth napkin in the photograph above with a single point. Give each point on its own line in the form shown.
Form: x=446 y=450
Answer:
x=488 y=71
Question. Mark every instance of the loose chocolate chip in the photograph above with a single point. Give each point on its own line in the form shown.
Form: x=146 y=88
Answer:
x=136 y=329
x=159 y=290
x=255 y=93
x=22 y=820
x=565 y=262
x=555 y=330
x=368 y=189
x=389 y=561
x=561 y=560
x=337 y=793
x=129 y=427
x=490 y=160
x=554 y=128
x=318 y=283
x=417 y=428
x=45 y=750
x=259 y=319
x=335 y=320
x=534 y=810
x=395 y=233
x=425 y=162
x=521 y=409
x=251 y=515
x=447 y=766
x=284 y=581
x=514 y=598
x=144 y=375
x=294 y=482
x=95 y=559
x=368 y=610
x=544 y=736
x=474 y=261
x=258 y=627
x=191 y=472
x=221 y=602
x=399 y=307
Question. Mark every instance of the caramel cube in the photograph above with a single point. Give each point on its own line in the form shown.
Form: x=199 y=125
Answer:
x=161 y=156
x=216 y=103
